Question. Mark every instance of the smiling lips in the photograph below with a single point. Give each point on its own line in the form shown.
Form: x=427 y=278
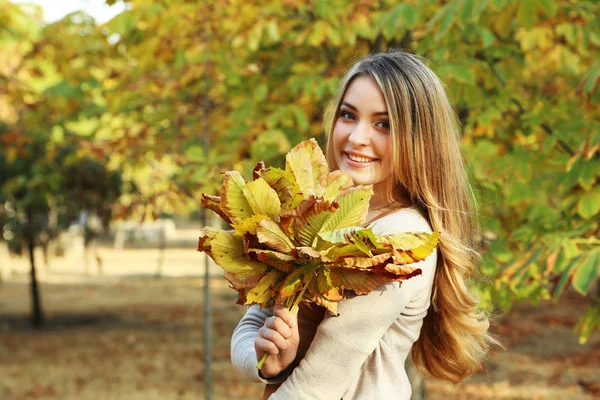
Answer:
x=360 y=159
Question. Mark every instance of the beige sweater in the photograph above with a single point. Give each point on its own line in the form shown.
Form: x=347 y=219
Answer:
x=361 y=353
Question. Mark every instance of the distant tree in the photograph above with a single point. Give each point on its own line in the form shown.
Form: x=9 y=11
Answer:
x=48 y=102
x=43 y=196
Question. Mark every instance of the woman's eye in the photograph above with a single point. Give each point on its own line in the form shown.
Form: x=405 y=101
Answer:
x=347 y=115
x=383 y=125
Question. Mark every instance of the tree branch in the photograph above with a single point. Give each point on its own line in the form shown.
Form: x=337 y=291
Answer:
x=562 y=144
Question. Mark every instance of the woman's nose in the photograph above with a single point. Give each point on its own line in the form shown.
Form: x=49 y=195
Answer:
x=360 y=134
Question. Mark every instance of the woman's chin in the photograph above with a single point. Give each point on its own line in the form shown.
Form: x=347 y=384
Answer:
x=357 y=177
x=359 y=180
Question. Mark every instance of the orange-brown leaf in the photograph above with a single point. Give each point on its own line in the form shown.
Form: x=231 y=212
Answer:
x=402 y=270
x=206 y=235
x=317 y=297
x=307 y=253
x=281 y=261
x=326 y=286
x=362 y=282
x=238 y=282
x=367 y=262
x=214 y=203
x=258 y=169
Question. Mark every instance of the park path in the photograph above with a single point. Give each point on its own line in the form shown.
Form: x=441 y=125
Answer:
x=130 y=262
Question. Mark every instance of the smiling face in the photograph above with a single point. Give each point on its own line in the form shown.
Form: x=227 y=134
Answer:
x=361 y=136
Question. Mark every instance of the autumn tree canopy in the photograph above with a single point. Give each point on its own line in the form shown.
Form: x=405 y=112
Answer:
x=148 y=89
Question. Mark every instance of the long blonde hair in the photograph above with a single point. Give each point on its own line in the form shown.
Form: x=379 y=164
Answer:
x=428 y=164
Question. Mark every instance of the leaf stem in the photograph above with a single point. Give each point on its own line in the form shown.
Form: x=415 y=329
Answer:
x=291 y=304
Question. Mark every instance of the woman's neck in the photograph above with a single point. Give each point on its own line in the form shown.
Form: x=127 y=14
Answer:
x=385 y=197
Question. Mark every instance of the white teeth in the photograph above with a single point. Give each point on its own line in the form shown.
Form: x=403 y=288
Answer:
x=359 y=159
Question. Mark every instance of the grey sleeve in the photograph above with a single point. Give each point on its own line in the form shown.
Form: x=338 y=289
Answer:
x=243 y=355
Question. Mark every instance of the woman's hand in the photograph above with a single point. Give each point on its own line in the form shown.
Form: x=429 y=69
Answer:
x=279 y=337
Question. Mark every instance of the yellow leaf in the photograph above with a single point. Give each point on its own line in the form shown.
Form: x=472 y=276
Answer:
x=362 y=238
x=309 y=222
x=309 y=166
x=233 y=201
x=354 y=206
x=249 y=224
x=318 y=33
x=292 y=283
x=337 y=182
x=404 y=240
x=270 y=234
x=11 y=155
x=284 y=184
x=228 y=253
x=261 y=293
x=417 y=245
x=503 y=22
x=288 y=218
x=340 y=251
x=262 y=198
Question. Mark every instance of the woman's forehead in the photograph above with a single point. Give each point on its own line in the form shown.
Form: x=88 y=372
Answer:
x=364 y=93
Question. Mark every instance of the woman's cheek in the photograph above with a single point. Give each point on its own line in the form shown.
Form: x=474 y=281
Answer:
x=338 y=138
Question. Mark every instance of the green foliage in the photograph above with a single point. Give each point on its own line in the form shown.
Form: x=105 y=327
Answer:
x=50 y=99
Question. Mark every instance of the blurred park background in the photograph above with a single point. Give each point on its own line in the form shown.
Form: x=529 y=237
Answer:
x=114 y=120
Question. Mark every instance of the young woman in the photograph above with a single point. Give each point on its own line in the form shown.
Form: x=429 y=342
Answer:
x=391 y=125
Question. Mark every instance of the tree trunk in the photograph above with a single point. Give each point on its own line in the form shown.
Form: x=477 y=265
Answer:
x=417 y=383
x=162 y=244
x=36 y=306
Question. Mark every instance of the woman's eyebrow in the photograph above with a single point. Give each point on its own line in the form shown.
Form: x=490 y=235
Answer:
x=345 y=103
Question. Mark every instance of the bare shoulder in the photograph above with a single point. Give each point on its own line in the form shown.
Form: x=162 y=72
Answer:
x=409 y=219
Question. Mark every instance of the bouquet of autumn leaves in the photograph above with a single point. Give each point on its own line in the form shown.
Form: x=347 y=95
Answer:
x=297 y=235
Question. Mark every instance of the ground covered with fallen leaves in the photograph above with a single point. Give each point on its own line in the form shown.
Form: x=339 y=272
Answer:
x=135 y=336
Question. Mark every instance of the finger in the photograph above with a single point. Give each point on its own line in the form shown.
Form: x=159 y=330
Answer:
x=274 y=337
x=278 y=325
x=285 y=314
x=265 y=346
